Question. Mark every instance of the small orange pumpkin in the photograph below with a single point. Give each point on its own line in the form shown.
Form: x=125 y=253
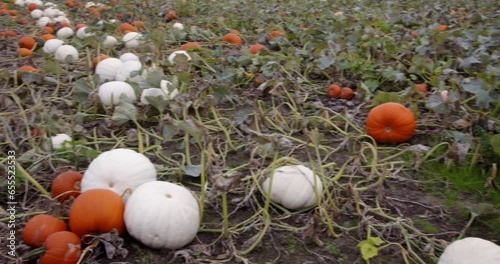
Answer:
x=66 y=185
x=232 y=38
x=38 y=228
x=346 y=93
x=46 y=37
x=27 y=42
x=61 y=248
x=24 y=52
x=28 y=69
x=254 y=49
x=170 y=15
x=333 y=91
x=97 y=210
x=32 y=6
x=274 y=34
x=190 y=46
x=421 y=87
x=138 y=24
x=390 y=123
x=126 y=27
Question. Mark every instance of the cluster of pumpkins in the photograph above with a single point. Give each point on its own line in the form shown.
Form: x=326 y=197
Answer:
x=118 y=191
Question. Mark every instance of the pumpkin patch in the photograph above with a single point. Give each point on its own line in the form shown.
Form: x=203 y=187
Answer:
x=249 y=131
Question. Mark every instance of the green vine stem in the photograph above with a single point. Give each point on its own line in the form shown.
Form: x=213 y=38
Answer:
x=32 y=180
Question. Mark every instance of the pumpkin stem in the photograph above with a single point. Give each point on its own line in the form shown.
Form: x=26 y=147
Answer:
x=387 y=130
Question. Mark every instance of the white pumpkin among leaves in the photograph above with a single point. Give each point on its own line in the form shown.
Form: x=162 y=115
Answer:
x=293 y=186
x=118 y=170
x=162 y=215
x=471 y=250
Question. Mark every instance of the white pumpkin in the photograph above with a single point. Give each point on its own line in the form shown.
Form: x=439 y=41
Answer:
x=82 y=33
x=51 y=45
x=109 y=42
x=162 y=215
x=66 y=51
x=65 y=32
x=110 y=92
x=178 y=26
x=60 y=140
x=43 y=21
x=132 y=39
x=108 y=68
x=37 y=13
x=471 y=250
x=129 y=57
x=171 y=57
x=118 y=170
x=293 y=187
x=128 y=68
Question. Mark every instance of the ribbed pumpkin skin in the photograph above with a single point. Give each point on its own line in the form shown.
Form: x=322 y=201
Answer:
x=41 y=226
x=97 y=211
x=390 y=123
x=61 y=248
x=66 y=185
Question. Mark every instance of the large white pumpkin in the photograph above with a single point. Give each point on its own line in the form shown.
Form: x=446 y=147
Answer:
x=162 y=215
x=471 y=250
x=293 y=187
x=118 y=170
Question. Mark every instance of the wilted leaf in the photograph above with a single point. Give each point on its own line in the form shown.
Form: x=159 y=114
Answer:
x=51 y=66
x=467 y=62
x=192 y=170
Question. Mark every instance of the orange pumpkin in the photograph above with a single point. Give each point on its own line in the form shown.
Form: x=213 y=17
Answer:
x=32 y=6
x=24 y=52
x=46 y=37
x=38 y=228
x=440 y=27
x=66 y=185
x=138 y=24
x=254 y=49
x=27 y=42
x=391 y=123
x=190 y=46
x=232 y=38
x=10 y=33
x=126 y=27
x=28 y=69
x=421 y=87
x=48 y=30
x=333 y=91
x=61 y=248
x=274 y=34
x=97 y=211
x=170 y=15
x=346 y=93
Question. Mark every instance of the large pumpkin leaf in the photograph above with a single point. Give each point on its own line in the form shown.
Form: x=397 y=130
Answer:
x=477 y=87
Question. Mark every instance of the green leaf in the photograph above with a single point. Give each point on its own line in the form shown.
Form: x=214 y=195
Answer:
x=192 y=170
x=326 y=61
x=384 y=97
x=123 y=113
x=157 y=102
x=51 y=66
x=81 y=90
x=475 y=86
x=495 y=143
x=372 y=85
x=368 y=247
